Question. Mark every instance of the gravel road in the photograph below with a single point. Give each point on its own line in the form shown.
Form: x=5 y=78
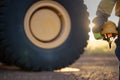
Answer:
x=88 y=67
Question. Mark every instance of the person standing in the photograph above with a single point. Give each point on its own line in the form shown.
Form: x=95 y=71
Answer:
x=103 y=12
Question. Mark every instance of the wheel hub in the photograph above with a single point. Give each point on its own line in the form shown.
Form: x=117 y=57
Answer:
x=45 y=27
x=47 y=24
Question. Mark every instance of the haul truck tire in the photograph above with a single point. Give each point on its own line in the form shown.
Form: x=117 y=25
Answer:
x=42 y=34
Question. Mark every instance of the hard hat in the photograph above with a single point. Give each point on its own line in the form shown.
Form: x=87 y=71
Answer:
x=109 y=27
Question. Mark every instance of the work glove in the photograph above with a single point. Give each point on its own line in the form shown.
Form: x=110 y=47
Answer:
x=98 y=21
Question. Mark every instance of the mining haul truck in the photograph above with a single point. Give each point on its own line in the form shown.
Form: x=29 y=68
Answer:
x=42 y=34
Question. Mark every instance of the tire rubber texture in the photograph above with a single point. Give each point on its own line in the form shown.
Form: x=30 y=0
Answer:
x=16 y=48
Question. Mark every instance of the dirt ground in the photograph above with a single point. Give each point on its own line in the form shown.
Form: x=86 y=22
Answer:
x=87 y=67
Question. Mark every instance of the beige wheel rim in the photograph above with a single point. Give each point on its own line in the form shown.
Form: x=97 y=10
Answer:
x=47 y=24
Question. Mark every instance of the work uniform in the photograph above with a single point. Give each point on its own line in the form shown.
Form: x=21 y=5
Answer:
x=104 y=10
x=106 y=6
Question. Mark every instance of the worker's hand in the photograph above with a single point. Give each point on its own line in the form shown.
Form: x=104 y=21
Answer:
x=98 y=22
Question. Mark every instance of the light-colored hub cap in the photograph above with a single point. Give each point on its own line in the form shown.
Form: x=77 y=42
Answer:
x=47 y=24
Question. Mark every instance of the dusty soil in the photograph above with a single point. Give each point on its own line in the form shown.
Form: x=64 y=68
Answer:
x=97 y=67
x=87 y=67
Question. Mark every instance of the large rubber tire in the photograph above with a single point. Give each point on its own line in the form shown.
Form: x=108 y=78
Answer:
x=17 y=49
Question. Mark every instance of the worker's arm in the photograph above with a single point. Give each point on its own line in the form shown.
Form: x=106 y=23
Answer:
x=106 y=7
x=117 y=8
x=104 y=10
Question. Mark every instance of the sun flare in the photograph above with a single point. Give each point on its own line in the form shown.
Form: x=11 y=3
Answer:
x=91 y=35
